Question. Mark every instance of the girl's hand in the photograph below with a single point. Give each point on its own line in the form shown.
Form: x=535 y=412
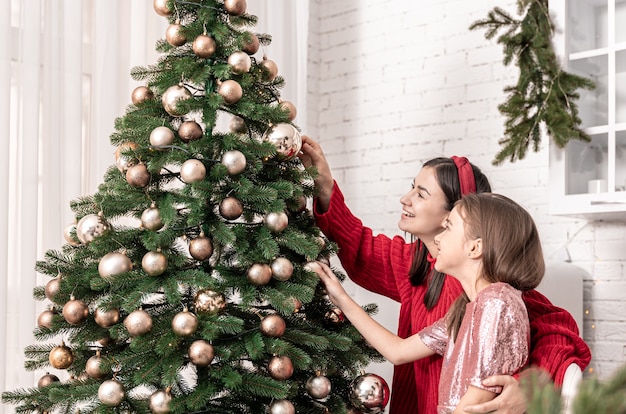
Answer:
x=336 y=292
x=312 y=154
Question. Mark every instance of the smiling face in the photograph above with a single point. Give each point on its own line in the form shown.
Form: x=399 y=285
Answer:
x=455 y=249
x=424 y=206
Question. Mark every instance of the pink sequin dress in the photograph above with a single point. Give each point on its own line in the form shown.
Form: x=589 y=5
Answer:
x=493 y=339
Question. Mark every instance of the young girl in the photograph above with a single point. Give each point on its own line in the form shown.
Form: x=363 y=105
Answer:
x=491 y=246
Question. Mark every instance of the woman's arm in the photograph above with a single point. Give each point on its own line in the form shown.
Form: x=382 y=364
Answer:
x=395 y=349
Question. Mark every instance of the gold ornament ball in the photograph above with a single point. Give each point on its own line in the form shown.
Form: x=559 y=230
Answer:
x=201 y=248
x=111 y=393
x=46 y=380
x=237 y=125
x=239 y=62
x=231 y=208
x=108 y=318
x=276 y=222
x=75 y=312
x=318 y=387
x=160 y=402
x=113 y=264
x=290 y=108
x=52 y=288
x=161 y=7
x=204 y=46
x=138 y=176
x=184 y=323
x=151 y=218
x=141 y=94
x=201 y=353
x=209 y=302
x=259 y=274
x=270 y=69
x=235 y=7
x=282 y=407
x=154 y=263
x=89 y=227
x=94 y=367
x=138 y=322
x=161 y=136
x=369 y=393
x=192 y=171
x=234 y=161
x=175 y=34
x=45 y=319
x=231 y=91
x=273 y=326
x=285 y=138
x=68 y=235
x=282 y=269
x=171 y=98
x=124 y=162
x=251 y=46
x=61 y=357
x=189 y=131
x=280 y=367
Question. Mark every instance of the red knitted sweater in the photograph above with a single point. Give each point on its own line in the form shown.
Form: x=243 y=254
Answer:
x=381 y=265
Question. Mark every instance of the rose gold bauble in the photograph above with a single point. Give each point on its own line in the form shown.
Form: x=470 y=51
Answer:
x=124 y=162
x=46 y=380
x=111 y=393
x=201 y=248
x=201 y=353
x=69 y=235
x=290 y=108
x=184 y=323
x=175 y=34
x=160 y=401
x=282 y=269
x=286 y=139
x=231 y=91
x=151 y=218
x=239 y=62
x=113 y=264
x=231 y=208
x=52 y=288
x=318 y=387
x=91 y=226
x=280 y=367
x=138 y=322
x=204 y=46
x=252 y=45
x=171 y=98
x=276 y=222
x=235 y=7
x=141 y=94
x=108 y=318
x=259 y=274
x=138 y=176
x=282 y=407
x=209 y=302
x=234 y=161
x=335 y=317
x=162 y=8
x=192 y=171
x=273 y=326
x=61 y=357
x=270 y=69
x=75 y=312
x=189 y=131
x=237 y=125
x=161 y=136
x=369 y=393
x=154 y=263
x=297 y=305
x=45 y=319
x=94 y=367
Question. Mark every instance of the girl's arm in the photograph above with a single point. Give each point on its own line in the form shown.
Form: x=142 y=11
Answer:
x=474 y=395
x=395 y=349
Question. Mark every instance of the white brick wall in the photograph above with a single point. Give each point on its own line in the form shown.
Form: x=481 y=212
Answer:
x=394 y=83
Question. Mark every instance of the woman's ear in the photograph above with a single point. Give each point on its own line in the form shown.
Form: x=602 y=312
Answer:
x=476 y=248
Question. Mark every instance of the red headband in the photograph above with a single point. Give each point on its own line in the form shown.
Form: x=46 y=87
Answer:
x=466 y=175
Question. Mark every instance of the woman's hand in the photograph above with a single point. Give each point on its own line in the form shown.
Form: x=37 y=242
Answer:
x=312 y=154
x=512 y=400
x=335 y=290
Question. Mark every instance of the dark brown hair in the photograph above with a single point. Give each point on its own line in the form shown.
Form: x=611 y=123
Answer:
x=511 y=249
x=448 y=179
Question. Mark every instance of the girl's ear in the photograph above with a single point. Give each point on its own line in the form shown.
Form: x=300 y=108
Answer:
x=476 y=248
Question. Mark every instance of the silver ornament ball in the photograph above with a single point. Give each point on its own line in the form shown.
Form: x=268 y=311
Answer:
x=280 y=367
x=231 y=208
x=201 y=353
x=138 y=322
x=161 y=136
x=276 y=222
x=231 y=91
x=201 y=248
x=192 y=171
x=273 y=326
x=154 y=263
x=318 y=387
x=204 y=46
x=171 y=98
x=175 y=34
x=89 y=227
x=285 y=138
x=75 y=312
x=113 y=264
x=190 y=131
x=259 y=274
x=151 y=218
x=369 y=393
x=234 y=161
x=108 y=318
x=52 y=288
x=94 y=368
x=184 y=323
x=282 y=269
x=68 y=235
x=111 y=393
x=209 y=302
x=282 y=407
x=239 y=62
x=138 y=176
x=45 y=319
x=160 y=402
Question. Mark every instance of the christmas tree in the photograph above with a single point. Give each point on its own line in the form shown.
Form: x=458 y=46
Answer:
x=183 y=286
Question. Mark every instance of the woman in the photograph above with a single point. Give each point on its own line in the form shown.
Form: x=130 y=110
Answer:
x=403 y=272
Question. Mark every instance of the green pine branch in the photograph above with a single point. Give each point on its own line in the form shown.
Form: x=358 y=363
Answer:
x=544 y=95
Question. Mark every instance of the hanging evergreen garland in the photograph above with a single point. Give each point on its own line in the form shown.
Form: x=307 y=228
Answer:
x=544 y=93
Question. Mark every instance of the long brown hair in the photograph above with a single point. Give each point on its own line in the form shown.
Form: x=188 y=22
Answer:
x=511 y=249
x=448 y=179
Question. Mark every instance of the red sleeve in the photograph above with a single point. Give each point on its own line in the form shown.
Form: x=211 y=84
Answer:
x=555 y=341
x=377 y=263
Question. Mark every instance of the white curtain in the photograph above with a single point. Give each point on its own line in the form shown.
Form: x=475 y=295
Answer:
x=64 y=78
